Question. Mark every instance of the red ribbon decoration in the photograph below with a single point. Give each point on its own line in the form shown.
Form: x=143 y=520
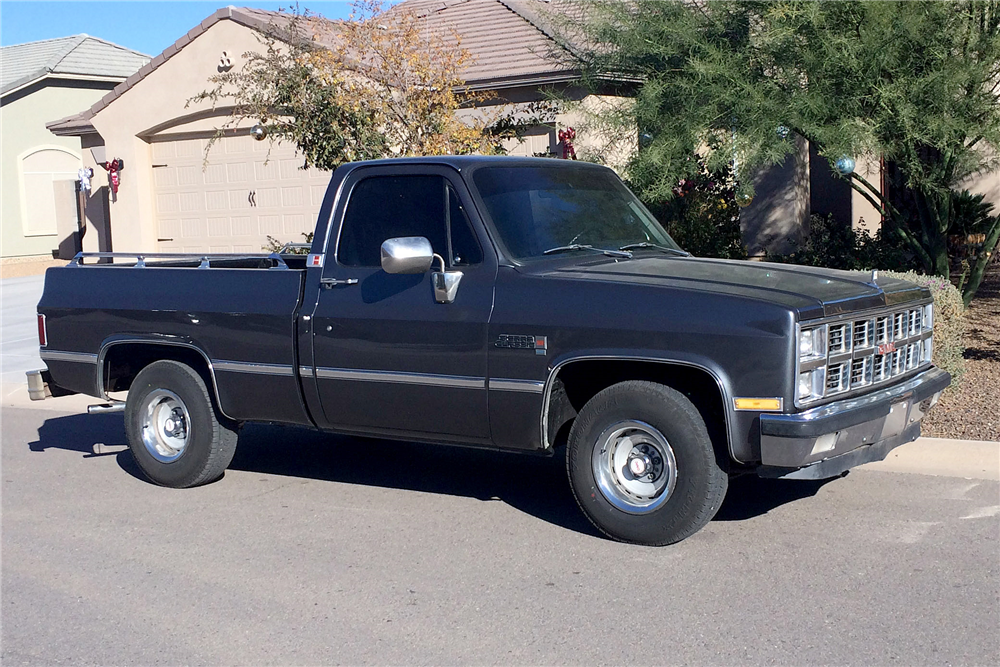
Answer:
x=113 y=168
x=566 y=137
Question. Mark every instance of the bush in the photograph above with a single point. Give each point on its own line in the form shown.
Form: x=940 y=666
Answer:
x=949 y=320
x=703 y=216
x=835 y=245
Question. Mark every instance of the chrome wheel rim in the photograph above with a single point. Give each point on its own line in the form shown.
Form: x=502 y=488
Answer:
x=166 y=425
x=634 y=467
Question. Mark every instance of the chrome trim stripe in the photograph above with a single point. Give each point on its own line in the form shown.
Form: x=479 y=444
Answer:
x=458 y=381
x=530 y=386
x=78 y=357
x=305 y=371
x=256 y=369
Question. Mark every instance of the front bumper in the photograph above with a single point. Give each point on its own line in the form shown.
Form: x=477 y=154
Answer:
x=828 y=440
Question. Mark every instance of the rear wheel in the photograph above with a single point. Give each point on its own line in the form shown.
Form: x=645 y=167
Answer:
x=174 y=432
x=642 y=466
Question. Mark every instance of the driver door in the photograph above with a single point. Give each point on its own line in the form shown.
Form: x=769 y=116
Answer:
x=389 y=358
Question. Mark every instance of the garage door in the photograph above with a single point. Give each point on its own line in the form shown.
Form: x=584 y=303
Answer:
x=234 y=202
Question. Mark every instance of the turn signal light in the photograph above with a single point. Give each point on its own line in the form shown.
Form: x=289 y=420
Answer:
x=764 y=404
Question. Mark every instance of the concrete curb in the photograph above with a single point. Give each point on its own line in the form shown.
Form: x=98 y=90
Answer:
x=972 y=459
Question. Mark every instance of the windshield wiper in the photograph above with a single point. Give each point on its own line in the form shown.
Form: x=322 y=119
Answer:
x=580 y=246
x=647 y=244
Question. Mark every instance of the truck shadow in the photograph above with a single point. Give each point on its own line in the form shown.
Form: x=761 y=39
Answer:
x=532 y=484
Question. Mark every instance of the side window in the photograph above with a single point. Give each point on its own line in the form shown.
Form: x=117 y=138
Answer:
x=465 y=248
x=384 y=207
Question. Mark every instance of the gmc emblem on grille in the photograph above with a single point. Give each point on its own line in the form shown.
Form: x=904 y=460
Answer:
x=886 y=348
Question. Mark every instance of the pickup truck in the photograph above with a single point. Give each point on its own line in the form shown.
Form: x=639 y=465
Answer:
x=508 y=303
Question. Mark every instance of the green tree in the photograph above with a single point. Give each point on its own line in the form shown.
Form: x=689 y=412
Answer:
x=913 y=82
x=377 y=85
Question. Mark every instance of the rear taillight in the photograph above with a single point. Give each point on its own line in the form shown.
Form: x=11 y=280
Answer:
x=43 y=336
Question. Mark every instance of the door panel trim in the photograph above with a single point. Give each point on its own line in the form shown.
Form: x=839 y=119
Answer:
x=457 y=381
x=255 y=368
x=529 y=386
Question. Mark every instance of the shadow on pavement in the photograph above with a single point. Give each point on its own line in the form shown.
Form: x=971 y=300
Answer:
x=80 y=433
x=532 y=484
x=751 y=496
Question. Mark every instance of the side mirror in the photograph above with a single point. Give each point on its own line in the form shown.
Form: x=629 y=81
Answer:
x=407 y=254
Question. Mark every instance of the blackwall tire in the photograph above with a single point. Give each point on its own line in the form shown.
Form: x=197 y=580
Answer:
x=174 y=432
x=642 y=466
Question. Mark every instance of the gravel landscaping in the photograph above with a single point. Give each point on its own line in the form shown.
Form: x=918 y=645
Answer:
x=970 y=409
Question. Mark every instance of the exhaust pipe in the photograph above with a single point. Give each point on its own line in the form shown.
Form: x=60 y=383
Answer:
x=117 y=406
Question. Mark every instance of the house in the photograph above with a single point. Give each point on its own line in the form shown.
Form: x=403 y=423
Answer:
x=172 y=197
x=40 y=82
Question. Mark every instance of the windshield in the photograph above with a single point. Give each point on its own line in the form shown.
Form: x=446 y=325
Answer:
x=535 y=209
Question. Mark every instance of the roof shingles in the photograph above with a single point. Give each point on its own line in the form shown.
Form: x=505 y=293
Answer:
x=79 y=55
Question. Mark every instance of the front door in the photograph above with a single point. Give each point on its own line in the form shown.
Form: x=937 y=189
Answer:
x=389 y=358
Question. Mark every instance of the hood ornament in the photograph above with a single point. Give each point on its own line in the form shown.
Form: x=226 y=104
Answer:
x=874 y=280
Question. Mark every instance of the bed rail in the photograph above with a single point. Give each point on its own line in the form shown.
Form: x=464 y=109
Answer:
x=204 y=259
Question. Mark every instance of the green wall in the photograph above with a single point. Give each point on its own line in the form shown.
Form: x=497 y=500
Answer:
x=22 y=122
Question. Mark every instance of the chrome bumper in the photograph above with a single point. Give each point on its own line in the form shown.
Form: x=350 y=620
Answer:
x=827 y=440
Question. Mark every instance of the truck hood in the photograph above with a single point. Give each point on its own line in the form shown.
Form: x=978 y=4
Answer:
x=813 y=292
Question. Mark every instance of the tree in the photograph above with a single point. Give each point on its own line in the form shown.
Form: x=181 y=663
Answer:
x=377 y=85
x=915 y=83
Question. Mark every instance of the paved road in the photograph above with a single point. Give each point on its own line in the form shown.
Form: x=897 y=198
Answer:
x=316 y=550
x=18 y=330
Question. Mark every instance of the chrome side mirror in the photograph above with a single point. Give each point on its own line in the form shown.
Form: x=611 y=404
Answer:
x=407 y=254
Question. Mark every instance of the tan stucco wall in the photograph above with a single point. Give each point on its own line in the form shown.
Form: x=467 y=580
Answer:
x=142 y=111
x=23 y=122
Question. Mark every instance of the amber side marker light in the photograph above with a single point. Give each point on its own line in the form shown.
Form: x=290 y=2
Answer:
x=760 y=404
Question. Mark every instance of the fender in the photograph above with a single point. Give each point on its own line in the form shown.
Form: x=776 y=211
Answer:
x=112 y=341
x=721 y=380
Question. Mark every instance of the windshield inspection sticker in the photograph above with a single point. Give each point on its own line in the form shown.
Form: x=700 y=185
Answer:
x=520 y=342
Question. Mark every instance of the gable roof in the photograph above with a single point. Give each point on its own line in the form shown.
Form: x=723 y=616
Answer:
x=79 y=56
x=508 y=42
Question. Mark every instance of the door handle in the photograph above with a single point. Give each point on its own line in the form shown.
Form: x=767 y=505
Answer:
x=329 y=283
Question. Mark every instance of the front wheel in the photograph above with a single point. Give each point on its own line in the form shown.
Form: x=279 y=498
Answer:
x=642 y=466
x=173 y=430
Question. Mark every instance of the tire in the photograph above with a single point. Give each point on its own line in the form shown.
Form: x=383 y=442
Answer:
x=174 y=432
x=674 y=486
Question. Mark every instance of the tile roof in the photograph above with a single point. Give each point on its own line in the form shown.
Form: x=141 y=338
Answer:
x=510 y=43
x=79 y=55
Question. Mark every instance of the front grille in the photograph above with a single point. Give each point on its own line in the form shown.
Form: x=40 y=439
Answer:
x=867 y=351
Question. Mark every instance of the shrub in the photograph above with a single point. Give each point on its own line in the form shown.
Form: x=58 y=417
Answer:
x=949 y=320
x=702 y=216
x=835 y=245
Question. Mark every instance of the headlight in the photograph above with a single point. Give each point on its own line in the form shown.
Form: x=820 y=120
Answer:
x=811 y=384
x=928 y=318
x=928 y=349
x=812 y=343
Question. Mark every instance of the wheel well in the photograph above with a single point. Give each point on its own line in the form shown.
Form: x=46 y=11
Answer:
x=579 y=381
x=122 y=362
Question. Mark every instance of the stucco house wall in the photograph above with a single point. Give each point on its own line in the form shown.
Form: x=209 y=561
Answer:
x=41 y=82
x=24 y=131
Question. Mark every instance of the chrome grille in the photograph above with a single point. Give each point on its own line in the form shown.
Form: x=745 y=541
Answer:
x=867 y=351
x=837 y=379
x=863 y=333
x=882 y=329
x=861 y=372
x=840 y=337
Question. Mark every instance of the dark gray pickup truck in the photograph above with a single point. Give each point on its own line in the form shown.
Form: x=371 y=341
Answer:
x=507 y=303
